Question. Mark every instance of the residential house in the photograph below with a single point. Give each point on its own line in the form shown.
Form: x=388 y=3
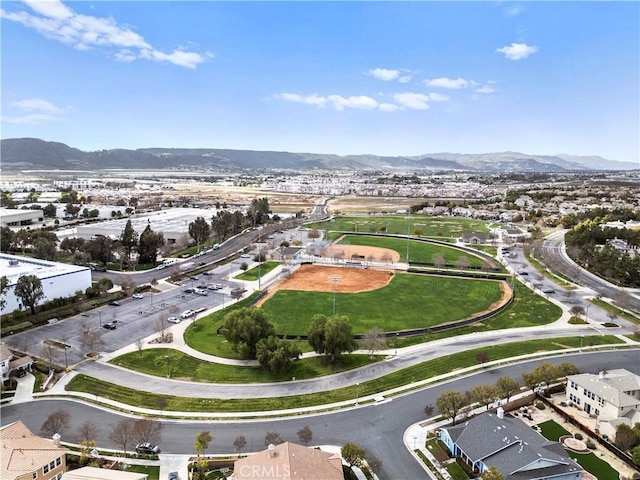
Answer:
x=289 y=461
x=611 y=397
x=474 y=238
x=26 y=456
x=8 y=364
x=507 y=443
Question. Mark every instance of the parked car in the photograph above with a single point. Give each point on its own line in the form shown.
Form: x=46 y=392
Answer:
x=187 y=314
x=147 y=448
x=173 y=476
x=109 y=326
x=201 y=291
x=206 y=273
x=115 y=303
x=524 y=273
x=549 y=291
x=215 y=286
x=21 y=373
x=173 y=320
x=98 y=268
x=138 y=295
x=245 y=255
x=188 y=290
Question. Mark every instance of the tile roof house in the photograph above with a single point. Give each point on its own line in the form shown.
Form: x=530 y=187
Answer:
x=612 y=397
x=289 y=461
x=511 y=446
x=25 y=456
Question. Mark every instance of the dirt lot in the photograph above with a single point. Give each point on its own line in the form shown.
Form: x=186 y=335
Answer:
x=313 y=278
x=372 y=254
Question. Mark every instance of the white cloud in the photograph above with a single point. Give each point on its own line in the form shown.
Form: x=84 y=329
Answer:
x=56 y=21
x=384 y=74
x=388 y=107
x=517 y=51
x=513 y=10
x=36 y=105
x=414 y=101
x=485 y=89
x=405 y=79
x=444 y=82
x=313 y=99
x=361 y=102
x=438 y=97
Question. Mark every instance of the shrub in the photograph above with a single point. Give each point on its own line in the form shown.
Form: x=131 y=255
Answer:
x=591 y=445
x=578 y=436
x=540 y=406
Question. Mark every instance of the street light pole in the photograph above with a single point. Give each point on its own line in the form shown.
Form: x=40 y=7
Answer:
x=586 y=313
x=581 y=339
x=334 y=279
x=66 y=364
x=167 y=358
x=357 y=393
x=397 y=337
x=408 y=236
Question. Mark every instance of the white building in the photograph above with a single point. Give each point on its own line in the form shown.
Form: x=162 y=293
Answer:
x=611 y=397
x=10 y=217
x=58 y=279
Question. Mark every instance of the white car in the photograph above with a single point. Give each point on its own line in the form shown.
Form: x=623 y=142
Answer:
x=245 y=255
x=138 y=295
x=187 y=314
x=201 y=291
x=173 y=320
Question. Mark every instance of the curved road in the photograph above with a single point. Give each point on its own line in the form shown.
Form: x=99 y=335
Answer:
x=378 y=428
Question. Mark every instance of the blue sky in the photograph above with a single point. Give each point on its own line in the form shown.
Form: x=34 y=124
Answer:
x=385 y=78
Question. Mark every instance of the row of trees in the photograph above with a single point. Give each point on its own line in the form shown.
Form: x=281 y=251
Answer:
x=451 y=403
x=252 y=335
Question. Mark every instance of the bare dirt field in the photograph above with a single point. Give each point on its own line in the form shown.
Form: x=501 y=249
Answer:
x=355 y=204
x=372 y=254
x=315 y=278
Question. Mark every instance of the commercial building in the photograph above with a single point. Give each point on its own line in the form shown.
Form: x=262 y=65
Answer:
x=10 y=217
x=58 y=279
x=173 y=224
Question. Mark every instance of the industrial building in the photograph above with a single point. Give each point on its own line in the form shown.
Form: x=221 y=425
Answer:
x=173 y=224
x=58 y=279
x=10 y=217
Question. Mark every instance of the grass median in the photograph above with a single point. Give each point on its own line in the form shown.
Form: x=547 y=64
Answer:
x=425 y=370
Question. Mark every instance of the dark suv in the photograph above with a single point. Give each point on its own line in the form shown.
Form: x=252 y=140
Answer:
x=147 y=448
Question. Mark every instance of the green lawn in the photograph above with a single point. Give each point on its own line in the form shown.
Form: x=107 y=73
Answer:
x=409 y=301
x=252 y=275
x=184 y=367
x=422 y=252
x=589 y=461
x=439 y=366
x=417 y=225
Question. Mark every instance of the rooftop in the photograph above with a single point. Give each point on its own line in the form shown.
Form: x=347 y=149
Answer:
x=14 y=267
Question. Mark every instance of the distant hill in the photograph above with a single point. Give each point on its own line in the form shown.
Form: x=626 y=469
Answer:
x=36 y=154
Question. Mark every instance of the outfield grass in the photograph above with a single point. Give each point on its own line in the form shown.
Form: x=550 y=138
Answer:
x=252 y=275
x=422 y=252
x=425 y=370
x=185 y=367
x=409 y=301
x=417 y=225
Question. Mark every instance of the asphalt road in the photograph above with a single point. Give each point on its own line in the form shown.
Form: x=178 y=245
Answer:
x=378 y=428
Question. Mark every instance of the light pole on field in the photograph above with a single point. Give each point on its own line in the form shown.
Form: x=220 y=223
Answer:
x=581 y=340
x=168 y=360
x=357 y=393
x=397 y=337
x=334 y=279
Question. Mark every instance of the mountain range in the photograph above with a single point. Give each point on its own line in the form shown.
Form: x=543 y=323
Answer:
x=18 y=154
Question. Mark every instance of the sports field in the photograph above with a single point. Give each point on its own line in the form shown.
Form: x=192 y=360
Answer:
x=407 y=301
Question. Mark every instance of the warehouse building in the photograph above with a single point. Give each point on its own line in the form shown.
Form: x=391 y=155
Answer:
x=10 y=217
x=58 y=279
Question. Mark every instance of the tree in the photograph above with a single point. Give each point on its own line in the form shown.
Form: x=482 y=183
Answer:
x=49 y=351
x=635 y=455
x=491 y=473
x=507 y=386
x=313 y=234
x=373 y=340
x=7 y=239
x=272 y=438
x=201 y=444
x=276 y=354
x=240 y=442
x=626 y=438
x=576 y=311
x=128 y=240
x=331 y=336
x=122 y=433
x=49 y=211
x=57 y=422
x=244 y=328
x=546 y=372
x=4 y=287
x=29 y=290
x=45 y=249
x=305 y=434
x=484 y=394
x=149 y=244
x=147 y=430
x=199 y=230
x=482 y=358
x=88 y=431
x=353 y=454
x=450 y=403
x=91 y=339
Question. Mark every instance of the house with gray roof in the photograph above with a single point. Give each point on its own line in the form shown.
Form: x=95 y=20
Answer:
x=508 y=444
